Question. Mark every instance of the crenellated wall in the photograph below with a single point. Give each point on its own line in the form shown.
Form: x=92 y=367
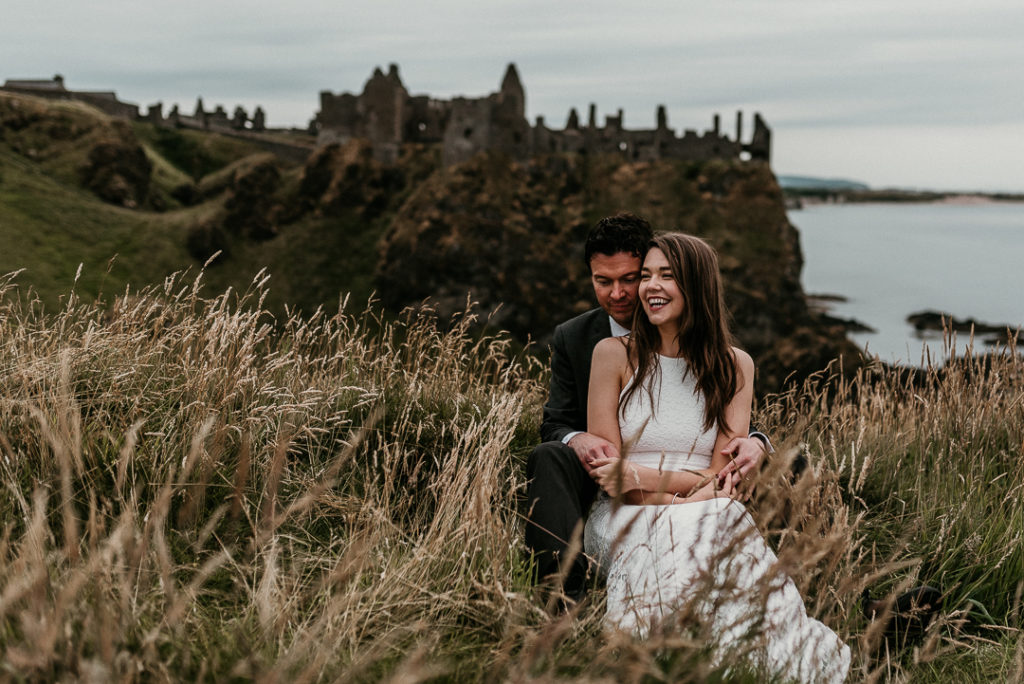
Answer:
x=387 y=116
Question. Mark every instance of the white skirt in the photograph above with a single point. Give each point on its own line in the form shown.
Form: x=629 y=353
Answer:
x=708 y=558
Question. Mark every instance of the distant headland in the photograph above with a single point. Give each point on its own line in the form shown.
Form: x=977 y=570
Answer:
x=800 y=190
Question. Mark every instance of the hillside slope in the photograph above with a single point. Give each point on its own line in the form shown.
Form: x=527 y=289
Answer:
x=79 y=188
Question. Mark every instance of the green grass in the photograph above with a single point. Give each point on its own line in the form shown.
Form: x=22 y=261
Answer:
x=165 y=180
x=195 y=153
x=48 y=229
x=312 y=261
x=50 y=225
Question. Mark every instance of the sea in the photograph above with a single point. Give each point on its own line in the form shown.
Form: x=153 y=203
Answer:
x=877 y=263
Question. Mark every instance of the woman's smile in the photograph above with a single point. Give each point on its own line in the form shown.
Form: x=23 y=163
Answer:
x=655 y=303
x=659 y=291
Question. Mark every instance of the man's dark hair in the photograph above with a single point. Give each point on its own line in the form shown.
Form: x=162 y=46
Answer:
x=623 y=232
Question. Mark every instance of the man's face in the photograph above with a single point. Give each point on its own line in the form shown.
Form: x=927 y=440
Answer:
x=616 y=279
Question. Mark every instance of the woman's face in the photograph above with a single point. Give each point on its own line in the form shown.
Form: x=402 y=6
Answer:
x=659 y=292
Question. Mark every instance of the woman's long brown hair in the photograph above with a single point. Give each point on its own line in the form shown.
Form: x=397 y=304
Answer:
x=704 y=338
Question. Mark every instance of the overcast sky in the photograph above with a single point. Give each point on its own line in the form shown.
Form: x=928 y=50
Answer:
x=908 y=93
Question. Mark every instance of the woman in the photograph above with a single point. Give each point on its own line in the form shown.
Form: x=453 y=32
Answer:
x=674 y=393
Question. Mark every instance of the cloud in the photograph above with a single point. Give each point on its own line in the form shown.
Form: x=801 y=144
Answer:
x=808 y=67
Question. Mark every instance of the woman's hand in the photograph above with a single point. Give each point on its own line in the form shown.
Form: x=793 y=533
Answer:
x=615 y=475
x=715 y=488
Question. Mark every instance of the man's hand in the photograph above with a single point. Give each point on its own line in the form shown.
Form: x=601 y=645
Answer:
x=614 y=475
x=745 y=453
x=590 y=448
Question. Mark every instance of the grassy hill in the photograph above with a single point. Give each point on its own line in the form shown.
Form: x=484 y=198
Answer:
x=50 y=224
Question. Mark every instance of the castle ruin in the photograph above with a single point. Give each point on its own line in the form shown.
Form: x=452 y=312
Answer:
x=216 y=120
x=106 y=101
x=388 y=116
x=53 y=89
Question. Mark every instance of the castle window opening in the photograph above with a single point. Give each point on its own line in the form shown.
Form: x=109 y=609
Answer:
x=623 y=146
x=745 y=156
x=468 y=132
x=421 y=126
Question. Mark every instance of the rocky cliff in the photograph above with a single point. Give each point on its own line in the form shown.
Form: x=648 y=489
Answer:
x=510 y=237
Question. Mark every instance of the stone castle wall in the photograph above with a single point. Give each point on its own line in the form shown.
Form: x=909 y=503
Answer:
x=388 y=116
x=105 y=101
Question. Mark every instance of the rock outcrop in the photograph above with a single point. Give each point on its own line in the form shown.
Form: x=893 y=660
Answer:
x=118 y=172
x=251 y=209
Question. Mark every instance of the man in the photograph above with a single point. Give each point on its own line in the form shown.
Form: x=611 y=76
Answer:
x=560 y=488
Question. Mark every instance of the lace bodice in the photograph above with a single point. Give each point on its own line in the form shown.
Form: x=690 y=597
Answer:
x=675 y=432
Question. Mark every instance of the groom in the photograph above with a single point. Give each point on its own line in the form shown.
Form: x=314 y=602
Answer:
x=560 y=490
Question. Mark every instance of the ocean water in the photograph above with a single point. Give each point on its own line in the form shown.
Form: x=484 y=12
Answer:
x=891 y=260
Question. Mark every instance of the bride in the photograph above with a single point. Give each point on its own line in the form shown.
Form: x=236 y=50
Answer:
x=667 y=531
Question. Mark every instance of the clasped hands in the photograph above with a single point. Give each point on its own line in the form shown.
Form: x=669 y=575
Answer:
x=602 y=461
x=617 y=476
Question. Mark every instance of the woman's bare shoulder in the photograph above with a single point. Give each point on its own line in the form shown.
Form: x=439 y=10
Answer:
x=743 y=360
x=612 y=350
x=615 y=345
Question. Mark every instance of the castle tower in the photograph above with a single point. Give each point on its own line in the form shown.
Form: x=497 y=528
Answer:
x=383 y=107
x=760 y=146
x=573 y=124
x=512 y=91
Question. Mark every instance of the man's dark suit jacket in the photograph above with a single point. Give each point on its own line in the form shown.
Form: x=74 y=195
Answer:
x=571 y=348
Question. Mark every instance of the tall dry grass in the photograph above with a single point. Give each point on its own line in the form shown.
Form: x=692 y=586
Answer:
x=193 y=490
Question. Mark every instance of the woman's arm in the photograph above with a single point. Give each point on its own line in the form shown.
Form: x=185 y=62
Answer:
x=608 y=370
x=641 y=485
x=649 y=485
x=737 y=413
x=710 y=490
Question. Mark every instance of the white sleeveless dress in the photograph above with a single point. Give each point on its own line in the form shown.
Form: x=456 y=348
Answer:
x=706 y=556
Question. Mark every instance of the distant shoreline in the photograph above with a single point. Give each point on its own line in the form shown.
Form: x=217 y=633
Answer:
x=800 y=197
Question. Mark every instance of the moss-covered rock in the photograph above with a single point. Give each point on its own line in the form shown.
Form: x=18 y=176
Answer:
x=118 y=172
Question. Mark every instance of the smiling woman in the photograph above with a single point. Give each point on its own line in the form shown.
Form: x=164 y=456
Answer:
x=659 y=291
x=689 y=322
